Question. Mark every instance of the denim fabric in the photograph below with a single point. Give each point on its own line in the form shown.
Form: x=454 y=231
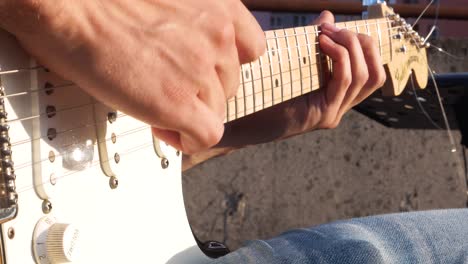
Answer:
x=420 y=237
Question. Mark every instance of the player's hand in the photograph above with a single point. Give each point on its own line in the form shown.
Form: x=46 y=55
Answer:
x=172 y=64
x=357 y=73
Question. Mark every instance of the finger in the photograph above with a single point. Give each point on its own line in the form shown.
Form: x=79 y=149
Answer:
x=228 y=70
x=250 y=38
x=197 y=137
x=190 y=126
x=338 y=85
x=212 y=93
x=359 y=71
x=170 y=137
x=377 y=75
x=325 y=17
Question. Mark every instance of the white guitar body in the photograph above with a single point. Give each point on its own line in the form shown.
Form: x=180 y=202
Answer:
x=75 y=167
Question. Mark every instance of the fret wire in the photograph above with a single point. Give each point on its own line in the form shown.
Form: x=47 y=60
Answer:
x=299 y=53
x=276 y=74
x=316 y=75
x=309 y=53
x=320 y=66
x=236 y=106
x=295 y=96
x=289 y=58
x=63 y=86
x=369 y=33
x=253 y=86
x=379 y=34
x=227 y=111
x=357 y=26
x=279 y=64
x=263 y=85
x=389 y=39
x=243 y=88
x=271 y=73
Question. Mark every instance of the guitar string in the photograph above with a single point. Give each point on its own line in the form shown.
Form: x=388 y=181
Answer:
x=442 y=108
x=281 y=86
x=120 y=115
x=58 y=133
x=365 y=25
x=294 y=48
x=64 y=153
x=368 y=31
x=421 y=107
x=317 y=30
x=42 y=114
x=93 y=164
x=26 y=165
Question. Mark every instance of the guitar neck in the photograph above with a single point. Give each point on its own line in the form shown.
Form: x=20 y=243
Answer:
x=294 y=65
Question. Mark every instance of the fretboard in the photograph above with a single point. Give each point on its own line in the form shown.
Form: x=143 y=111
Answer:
x=294 y=65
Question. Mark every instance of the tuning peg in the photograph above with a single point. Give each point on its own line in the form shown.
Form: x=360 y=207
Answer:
x=395 y=17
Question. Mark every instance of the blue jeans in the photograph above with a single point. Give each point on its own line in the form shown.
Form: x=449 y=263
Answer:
x=420 y=237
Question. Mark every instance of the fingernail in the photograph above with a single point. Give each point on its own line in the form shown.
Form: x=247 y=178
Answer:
x=329 y=27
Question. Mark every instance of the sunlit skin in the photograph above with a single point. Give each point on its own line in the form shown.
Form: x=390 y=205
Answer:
x=173 y=65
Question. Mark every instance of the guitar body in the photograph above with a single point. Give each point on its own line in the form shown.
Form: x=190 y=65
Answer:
x=118 y=187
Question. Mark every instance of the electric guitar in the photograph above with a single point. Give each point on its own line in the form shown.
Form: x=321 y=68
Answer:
x=85 y=183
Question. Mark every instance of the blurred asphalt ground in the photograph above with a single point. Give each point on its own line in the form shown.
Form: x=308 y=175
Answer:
x=361 y=168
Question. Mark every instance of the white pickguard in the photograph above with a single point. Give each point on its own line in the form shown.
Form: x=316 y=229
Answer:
x=143 y=220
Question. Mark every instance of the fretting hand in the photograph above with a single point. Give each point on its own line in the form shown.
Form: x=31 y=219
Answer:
x=357 y=73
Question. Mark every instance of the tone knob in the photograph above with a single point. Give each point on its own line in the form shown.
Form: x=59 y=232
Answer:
x=62 y=243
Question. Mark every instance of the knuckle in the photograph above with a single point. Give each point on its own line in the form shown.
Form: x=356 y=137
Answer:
x=377 y=78
x=224 y=34
x=349 y=38
x=256 y=48
x=381 y=78
x=211 y=137
x=366 y=41
x=343 y=53
x=260 y=45
x=362 y=76
x=346 y=79
x=231 y=91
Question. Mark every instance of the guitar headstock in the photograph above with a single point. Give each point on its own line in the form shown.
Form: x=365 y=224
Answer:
x=408 y=52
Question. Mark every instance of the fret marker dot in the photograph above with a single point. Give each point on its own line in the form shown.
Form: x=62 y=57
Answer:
x=273 y=53
x=247 y=74
x=276 y=83
x=304 y=60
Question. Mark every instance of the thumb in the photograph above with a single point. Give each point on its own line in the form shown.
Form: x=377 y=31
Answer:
x=325 y=17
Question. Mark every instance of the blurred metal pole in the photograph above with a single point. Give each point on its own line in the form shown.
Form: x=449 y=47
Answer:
x=306 y=6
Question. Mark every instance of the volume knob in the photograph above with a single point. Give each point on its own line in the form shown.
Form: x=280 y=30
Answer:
x=62 y=242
